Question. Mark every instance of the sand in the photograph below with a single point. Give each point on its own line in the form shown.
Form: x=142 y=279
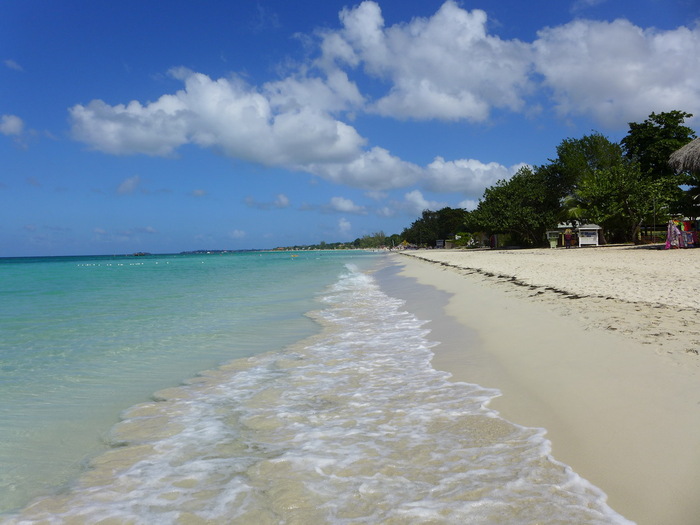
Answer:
x=597 y=345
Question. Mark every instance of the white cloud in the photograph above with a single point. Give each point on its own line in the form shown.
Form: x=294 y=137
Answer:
x=467 y=176
x=198 y=193
x=448 y=67
x=445 y=67
x=237 y=234
x=415 y=203
x=344 y=226
x=375 y=169
x=469 y=204
x=618 y=72
x=11 y=125
x=344 y=205
x=224 y=114
x=129 y=185
x=333 y=94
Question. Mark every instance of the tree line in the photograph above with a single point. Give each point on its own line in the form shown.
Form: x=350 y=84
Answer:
x=619 y=186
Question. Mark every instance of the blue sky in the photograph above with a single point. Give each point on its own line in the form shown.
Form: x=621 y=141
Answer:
x=143 y=125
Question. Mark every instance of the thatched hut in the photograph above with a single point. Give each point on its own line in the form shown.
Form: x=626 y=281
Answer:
x=687 y=158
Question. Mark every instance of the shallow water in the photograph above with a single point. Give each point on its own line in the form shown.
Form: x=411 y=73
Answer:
x=349 y=425
x=83 y=338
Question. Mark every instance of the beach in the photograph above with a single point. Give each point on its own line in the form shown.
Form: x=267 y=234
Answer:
x=599 y=346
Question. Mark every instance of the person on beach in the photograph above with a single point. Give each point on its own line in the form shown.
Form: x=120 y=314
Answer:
x=567 y=238
x=673 y=236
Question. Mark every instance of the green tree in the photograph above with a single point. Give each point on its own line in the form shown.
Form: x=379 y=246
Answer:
x=524 y=206
x=620 y=199
x=434 y=225
x=394 y=240
x=652 y=142
x=578 y=158
x=578 y=163
x=376 y=240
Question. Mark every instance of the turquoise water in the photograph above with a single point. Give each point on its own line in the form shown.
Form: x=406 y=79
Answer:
x=85 y=337
x=251 y=388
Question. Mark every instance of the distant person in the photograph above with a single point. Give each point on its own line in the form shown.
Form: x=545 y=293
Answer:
x=568 y=237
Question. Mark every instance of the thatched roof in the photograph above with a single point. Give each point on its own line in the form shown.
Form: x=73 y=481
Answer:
x=687 y=158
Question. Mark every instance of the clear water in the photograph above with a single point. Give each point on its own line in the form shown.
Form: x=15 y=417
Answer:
x=333 y=417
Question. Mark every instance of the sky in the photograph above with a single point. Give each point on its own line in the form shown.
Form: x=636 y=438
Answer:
x=143 y=125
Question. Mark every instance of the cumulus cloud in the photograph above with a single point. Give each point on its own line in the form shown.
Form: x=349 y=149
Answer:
x=334 y=93
x=469 y=204
x=467 y=176
x=225 y=114
x=129 y=185
x=344 y=205
x=448 y=67
x=11 y=125
x=618 y=72
x=375 y=169
x=415 y=203
x=444 y=67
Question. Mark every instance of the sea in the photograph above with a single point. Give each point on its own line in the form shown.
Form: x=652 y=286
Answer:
x=251 y=388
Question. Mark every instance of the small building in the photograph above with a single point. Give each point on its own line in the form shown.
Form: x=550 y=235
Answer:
x=582 y=235
x=588 y=235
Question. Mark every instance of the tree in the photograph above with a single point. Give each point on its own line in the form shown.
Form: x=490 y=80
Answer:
x=652 y=142
x=524 y=206
x=394 y=240
x=577 y=158
x=434 y=225
x=376 y=240
x=578 y=163
x=621 y=198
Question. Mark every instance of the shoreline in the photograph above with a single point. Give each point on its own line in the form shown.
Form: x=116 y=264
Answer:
x=595 y=347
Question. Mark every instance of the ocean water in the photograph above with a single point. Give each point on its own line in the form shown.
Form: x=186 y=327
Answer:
x=250 y=388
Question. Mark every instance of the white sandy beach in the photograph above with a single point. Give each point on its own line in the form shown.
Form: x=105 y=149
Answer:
x=597 y=345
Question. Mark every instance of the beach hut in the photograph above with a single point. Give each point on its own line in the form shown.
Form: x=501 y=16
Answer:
x=687 y=158
x=588 y=234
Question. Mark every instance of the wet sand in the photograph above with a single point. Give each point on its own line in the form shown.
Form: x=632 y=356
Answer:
x=597 y=345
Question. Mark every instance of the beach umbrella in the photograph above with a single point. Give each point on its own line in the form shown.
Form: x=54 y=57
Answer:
x=687 y=158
